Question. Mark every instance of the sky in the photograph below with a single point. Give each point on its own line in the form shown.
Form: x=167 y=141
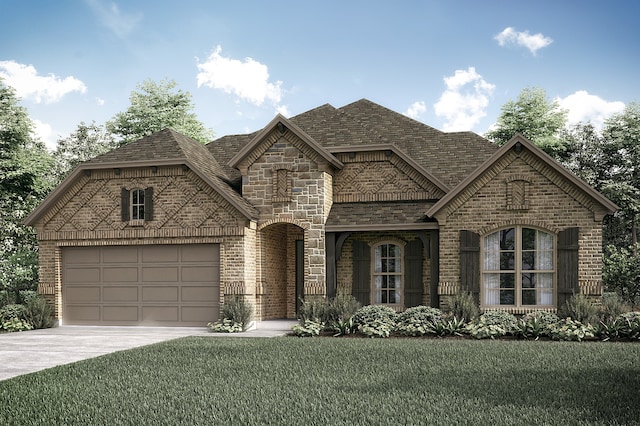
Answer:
x=451 y=64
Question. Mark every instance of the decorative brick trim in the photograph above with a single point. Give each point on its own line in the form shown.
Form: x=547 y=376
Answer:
x=591 y=288
x=314 y=288
x=234 y=287
x=519 y=311
x=448 y=288
x=515 y=222
x=296 y=222
x=46 y=288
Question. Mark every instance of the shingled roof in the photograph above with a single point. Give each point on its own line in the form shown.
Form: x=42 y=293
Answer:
x=450 y=157
x=161 y=148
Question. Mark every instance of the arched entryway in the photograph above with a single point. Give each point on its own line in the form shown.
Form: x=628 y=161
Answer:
x=280 y=259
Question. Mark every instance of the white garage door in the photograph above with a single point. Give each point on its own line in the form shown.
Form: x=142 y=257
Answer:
x=161 y=285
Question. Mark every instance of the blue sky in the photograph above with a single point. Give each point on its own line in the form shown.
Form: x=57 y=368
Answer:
x=450 y=64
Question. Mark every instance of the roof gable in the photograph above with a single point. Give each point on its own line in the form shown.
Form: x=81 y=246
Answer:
x=519 y=143
x=166 y=147
x=279 y=124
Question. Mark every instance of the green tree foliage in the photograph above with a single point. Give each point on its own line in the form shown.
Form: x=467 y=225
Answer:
x=25 y=179
x=621 y=161
x=621 y=273
x=536 y=118
x=86 y=142
x=156 y=106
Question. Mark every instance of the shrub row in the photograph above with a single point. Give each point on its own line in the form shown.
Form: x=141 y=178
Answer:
x=35 y=312
x=382 y=321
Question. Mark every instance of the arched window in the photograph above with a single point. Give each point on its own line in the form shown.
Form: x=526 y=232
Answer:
x=518 y=268
x=387 y=274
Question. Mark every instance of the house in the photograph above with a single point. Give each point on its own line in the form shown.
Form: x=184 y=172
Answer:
x=357 y=199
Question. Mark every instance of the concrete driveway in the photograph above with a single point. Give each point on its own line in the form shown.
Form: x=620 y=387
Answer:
x=29 y=351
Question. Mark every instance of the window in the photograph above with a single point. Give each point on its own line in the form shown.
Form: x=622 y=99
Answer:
x=518 y=268
x=137 y=204
x=387 y=274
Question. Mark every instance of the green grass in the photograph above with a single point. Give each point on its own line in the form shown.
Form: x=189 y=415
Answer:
x=207 y=380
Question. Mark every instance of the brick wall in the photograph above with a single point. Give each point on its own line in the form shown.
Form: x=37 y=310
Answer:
x=186 y=211
x=345 y=263
x=549 y=202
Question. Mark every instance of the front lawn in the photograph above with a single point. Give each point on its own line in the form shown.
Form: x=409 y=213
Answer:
x=290 y=381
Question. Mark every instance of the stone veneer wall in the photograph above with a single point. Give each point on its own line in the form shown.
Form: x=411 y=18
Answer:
x=549 y=202
x=345 y=263
x=304 y=200
x=186 y=211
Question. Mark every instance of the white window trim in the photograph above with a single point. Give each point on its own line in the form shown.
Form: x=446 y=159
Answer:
x=399 y=305
x=518 y=307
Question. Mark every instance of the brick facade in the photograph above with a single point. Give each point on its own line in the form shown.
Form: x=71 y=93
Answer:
x=322 y=185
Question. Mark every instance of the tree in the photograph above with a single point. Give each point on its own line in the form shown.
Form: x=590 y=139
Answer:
x=86 y=142
x=621 y=160
x=536 y=118
x=25 y=179
x=155 y=106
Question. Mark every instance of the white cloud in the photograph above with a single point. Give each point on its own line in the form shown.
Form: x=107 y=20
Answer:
x=99 y=101
x=534 y=42
x=247 y=79
x=464 y=101
x=284 y=110
x=111 y=17
x=416 y=110
x=29 y=85
x=589 y=108
x=45 y=133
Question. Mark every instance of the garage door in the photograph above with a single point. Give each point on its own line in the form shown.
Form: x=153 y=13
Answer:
x=163 y=285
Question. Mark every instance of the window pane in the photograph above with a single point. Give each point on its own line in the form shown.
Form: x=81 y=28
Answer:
x=528 y=280
x=507 y=261
x=528 y=239
x=384 y=250
x=393 y=264
x=385 y=265
x=392 y=297
x=491 y=284
x=545 y=280
x=378 y=297
x=507 y=239
x=507 y=297
x=377 y=265
x=545 y=241
x=528 y=260
x=378 y=281
x=546 y=297
x=528 y=297
x=545 y=260
x=507 y=281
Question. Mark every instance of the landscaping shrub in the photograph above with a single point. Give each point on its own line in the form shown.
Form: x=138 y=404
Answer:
x=449 y=326
x=38 y=312
x=621 y=272
x=612 y=306
x=536 y=324
x=570 y=329
x=8 y=312
x=464 y=307
x=418 y=321
x=624 y=326
x=493 y=324
x=236 y=315
x=580 y=308
x=7 y=298
x=313 y=309
x=308 y=328
x=341 y=308
x=375 y=320
x=15 y=324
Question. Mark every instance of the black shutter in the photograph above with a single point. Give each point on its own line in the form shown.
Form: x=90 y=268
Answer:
x=361 y=287
x=470 y=263
x=148 y=204
x=413 y=273
x=567 y=265
x=124 y=205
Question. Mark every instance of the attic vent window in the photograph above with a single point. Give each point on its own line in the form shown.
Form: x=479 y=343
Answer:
x=282 y=187
x=518 y=193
